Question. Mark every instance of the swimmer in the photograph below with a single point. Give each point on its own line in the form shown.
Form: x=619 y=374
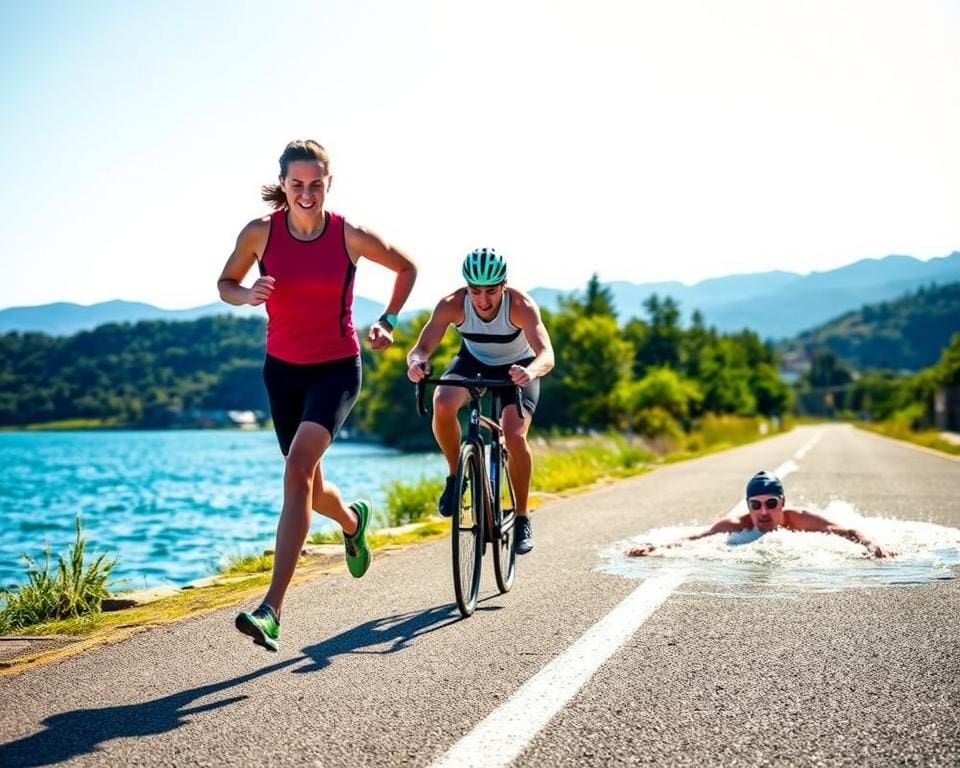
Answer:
x=767 y=512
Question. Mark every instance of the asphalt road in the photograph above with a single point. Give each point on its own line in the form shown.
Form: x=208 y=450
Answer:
x=382 y=671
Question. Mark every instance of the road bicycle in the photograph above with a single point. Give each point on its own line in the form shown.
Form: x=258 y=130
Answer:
x=485 y=500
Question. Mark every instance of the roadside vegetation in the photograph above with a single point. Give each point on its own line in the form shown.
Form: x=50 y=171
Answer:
x=622 y=399
x=73 y=590
x=902 y=430
x=898 y=405
x=625 y=397
x=67 y=600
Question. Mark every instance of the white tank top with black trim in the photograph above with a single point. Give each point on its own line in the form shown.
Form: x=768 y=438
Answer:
x=496 y=341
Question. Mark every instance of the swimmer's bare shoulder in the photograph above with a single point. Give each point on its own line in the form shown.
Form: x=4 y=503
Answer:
x=796 y=519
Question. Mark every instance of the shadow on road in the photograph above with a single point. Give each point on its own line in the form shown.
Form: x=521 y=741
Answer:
x=70 y=734
x=79 y=732
x=396 y=631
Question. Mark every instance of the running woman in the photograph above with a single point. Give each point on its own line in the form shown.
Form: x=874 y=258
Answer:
x=502 y=336
x=307 y=257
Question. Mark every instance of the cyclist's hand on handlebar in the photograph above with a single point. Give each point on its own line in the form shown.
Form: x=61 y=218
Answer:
x=520 y=375
x=417 y=370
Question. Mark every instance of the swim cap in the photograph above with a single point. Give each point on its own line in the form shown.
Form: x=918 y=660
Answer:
x=764 y=483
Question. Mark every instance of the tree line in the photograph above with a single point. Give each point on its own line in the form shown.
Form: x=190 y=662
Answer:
x=137 y=375
x=648 y=374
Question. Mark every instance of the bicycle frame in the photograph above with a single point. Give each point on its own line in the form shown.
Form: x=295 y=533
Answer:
x=477 y=388
x=496 y=524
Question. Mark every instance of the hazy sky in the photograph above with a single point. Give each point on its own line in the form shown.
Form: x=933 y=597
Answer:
x=679 y=139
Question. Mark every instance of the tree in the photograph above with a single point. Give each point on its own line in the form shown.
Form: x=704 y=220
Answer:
x=827 y=370
x=725 y=378
x=597 y=302
x=387 y=404
x=663 y=334
x=660 y=402
x=948 y=367
x=592 y=360
x=772 y=395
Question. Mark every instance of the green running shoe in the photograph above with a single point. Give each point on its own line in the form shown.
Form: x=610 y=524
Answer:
x=262 y=625
x=358 y=553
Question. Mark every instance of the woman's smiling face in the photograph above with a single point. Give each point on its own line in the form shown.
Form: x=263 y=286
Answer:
x=306 y=185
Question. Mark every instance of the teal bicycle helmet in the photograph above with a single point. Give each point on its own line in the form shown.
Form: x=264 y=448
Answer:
x=484 y=266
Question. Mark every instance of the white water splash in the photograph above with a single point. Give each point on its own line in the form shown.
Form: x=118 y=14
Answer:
x=782 y=563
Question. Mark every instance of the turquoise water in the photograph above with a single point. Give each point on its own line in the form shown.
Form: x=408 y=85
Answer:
x=172 y=504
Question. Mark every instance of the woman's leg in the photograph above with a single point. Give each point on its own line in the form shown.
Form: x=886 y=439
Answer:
x=303 y=461
x=328 y=502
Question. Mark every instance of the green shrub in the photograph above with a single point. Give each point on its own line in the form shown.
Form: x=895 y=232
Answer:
x=73 y=591
x=410 y=502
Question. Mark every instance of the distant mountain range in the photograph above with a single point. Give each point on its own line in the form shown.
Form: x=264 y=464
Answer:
x=64 y=318
x=779 y=305
x=776 y=305
x=905 y=334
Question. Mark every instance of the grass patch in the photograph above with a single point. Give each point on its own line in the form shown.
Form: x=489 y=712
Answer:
x=567 y=463
x=326 y=537
x=901 y=431
x=73 y=591
x=717 y=433
x=238 y=565
x=185 y=603
x=560 y=465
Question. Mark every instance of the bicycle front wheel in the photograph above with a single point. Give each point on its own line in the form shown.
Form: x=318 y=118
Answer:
x=504 y=552
x=467 y=530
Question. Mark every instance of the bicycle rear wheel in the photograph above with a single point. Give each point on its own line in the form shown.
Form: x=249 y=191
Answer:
x=467 y=530
x=504 y=554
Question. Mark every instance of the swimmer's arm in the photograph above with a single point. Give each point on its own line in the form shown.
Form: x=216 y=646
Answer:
x=811 y=521
x=861 y=538
x=723 y=525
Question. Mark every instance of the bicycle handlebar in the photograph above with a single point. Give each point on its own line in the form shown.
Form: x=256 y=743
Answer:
x=477 y=382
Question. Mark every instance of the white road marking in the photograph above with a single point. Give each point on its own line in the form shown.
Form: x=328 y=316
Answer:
x=812 y=442
x=502 y=735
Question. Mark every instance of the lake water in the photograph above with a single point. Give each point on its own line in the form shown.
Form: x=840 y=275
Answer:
x=171 y=504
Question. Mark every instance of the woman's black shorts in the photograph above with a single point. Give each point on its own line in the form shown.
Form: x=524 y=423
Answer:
x=465 y=364
x=323 y=393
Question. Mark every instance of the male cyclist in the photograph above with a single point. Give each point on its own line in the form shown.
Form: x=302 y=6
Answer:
x=766 y=512
x=502 y=336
